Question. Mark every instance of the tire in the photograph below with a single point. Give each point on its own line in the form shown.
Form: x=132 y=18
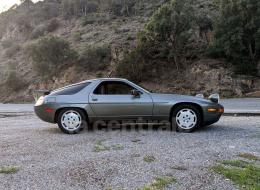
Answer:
x=72 y=120
x=185 y=118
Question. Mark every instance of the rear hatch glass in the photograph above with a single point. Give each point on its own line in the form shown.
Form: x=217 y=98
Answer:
x=70 y=90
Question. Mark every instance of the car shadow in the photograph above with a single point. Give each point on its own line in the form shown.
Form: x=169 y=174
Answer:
x=53 y=130
x=144 y=128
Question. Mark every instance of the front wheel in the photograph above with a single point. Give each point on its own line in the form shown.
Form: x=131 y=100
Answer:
x=72 y=121
x=185 y=118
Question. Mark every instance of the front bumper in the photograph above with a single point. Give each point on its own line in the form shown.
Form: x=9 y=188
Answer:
x=45 y=112
x=212 y=117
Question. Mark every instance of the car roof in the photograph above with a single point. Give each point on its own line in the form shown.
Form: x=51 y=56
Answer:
x=106 y=79
x=91 y=80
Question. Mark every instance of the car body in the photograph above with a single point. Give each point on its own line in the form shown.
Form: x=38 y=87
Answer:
x=119 y=99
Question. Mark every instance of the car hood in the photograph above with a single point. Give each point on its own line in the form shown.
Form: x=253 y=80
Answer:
x=177 y=98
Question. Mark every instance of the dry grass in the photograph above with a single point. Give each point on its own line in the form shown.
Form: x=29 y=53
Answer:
x=160 y=183
x=149 y=158
x=249 y=156
x=9 y=170
x=246 y=175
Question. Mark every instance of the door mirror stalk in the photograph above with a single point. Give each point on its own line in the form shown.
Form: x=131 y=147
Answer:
x=136 y=93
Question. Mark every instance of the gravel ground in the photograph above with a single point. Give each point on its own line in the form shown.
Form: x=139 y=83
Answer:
x=49 y=159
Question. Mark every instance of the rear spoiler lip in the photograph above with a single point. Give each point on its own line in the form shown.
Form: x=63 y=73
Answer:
x=43 y=92
x=38 y=93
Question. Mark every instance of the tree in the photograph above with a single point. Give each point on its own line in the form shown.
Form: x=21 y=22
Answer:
x=95 y=58
x=166 y=38
x=237 y=34
x=48 y=54
x=170 y=30
x=12 y=80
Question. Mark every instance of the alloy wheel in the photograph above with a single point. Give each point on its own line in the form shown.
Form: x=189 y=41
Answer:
x=186 y=119
x=71 y=120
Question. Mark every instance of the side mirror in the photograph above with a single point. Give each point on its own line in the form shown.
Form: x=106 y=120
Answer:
x=214 y=98
x=136 y=93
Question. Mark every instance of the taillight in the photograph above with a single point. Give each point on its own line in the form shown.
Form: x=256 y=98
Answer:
x=49 y=110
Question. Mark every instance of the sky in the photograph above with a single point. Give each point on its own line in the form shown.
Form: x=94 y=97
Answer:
x=6 y=4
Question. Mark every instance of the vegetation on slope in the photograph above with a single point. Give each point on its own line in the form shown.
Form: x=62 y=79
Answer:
x=170 y=36
x=237 y=34
x=173 y=34
x=166 y=37
x=48 y=54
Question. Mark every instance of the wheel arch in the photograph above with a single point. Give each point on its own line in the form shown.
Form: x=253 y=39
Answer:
x=60 y=109
x=185 y=103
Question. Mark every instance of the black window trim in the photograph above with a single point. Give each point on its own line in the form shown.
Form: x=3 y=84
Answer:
x=93 y=92
x=56 y=92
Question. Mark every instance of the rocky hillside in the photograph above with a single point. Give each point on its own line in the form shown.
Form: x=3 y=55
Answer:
x=100 y=33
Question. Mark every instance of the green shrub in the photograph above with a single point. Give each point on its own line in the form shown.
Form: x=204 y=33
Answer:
x=215 y=51
x=165 y=38
x=12 y=80
x=52 y=25
x=132 y=66
x=88 y=20
x=77 y=36
x=38 y=31
x=48 y=54
x=95 y=58
x=245 y=68
x=237 y=34
x=170 y=30
x=44 y=29
x=95 y=18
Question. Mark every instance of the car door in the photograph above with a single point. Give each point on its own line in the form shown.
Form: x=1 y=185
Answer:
x=114 y=100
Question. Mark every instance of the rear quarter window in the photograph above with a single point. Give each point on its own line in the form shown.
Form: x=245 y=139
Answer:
x=70 y=90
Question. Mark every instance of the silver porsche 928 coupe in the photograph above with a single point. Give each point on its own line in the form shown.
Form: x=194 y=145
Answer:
x=79 y=105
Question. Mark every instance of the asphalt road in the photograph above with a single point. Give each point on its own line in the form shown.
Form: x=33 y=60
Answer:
x=16 y=108
x=49 y=159
x=241 y=105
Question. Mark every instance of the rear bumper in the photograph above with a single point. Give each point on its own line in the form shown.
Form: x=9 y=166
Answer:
x=45 y=113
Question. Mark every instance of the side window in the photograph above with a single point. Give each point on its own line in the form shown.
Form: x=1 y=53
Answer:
x=101 y=89
x=70 y=90
x=118 y=88
x=113 y=88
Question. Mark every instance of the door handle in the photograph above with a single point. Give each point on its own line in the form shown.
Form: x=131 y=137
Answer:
x=94 y=99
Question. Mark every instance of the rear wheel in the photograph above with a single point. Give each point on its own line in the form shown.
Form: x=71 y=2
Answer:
x=72 y=120
x=185 y=118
